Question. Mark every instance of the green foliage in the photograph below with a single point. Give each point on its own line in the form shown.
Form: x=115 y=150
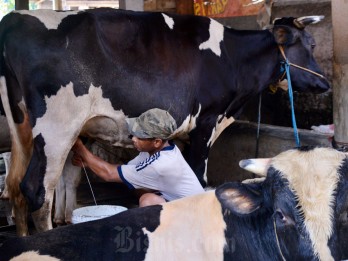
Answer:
x=7 y=6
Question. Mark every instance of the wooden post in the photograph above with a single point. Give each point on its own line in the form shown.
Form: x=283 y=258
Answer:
x=135 y=5
x=340 y=71
x=184 y=7
x=57 y=5
x=22 y=4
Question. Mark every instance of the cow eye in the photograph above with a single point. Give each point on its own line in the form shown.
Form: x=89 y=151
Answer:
x=312 y=46
x=279 y=216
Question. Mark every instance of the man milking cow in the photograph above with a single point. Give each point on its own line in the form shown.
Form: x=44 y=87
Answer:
x=159 y=166
x=86 y=81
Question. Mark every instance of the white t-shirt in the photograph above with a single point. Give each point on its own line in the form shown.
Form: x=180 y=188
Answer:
x=165 y=171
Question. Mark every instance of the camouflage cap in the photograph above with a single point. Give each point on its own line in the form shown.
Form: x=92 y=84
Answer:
x=154 y=123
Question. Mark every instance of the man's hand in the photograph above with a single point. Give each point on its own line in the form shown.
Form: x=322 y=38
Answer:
x=78 y=149
x=83 y=157
x=76 y=160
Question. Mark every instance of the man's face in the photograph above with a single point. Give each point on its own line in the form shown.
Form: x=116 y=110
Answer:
x=144 y=145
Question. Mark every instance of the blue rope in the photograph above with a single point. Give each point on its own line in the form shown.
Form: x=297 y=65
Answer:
x=291 y=98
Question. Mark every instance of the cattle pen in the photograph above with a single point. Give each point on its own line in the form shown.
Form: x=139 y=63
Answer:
x=239 y=140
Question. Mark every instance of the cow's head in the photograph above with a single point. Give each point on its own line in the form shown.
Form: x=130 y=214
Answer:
x=304 y=192
x=298 y=48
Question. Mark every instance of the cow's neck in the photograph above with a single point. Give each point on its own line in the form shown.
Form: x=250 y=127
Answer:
x=260 y=64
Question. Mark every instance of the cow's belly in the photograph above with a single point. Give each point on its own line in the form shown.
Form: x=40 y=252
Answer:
x=107 y=129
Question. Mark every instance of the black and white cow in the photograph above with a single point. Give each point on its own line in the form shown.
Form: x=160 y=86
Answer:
x=292 y=215
x=63 y=74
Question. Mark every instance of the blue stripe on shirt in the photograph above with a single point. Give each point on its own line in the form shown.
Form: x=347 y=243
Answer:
x=147 y=162
x=129 y=185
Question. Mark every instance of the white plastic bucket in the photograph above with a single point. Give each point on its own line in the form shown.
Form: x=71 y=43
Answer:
x=89 y=213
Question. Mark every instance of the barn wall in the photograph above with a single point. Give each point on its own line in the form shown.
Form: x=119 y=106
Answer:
x=160 y=5
x=239 y=142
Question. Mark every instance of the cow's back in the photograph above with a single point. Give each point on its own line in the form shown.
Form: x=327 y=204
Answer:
x=123 y=52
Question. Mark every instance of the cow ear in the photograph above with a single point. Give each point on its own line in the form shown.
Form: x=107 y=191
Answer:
x=283 y=35
x=241 y=199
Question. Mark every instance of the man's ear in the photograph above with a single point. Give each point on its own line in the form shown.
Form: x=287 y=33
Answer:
x=158 y=142
x=241 y=199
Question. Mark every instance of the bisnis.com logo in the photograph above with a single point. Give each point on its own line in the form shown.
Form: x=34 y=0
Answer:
x=128 y=240
x=133 y=240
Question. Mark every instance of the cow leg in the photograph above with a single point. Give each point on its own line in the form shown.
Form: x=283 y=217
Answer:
x=201 y=140
x=72 y=177
x=19 y=203
x=21 y=151
x=196 y=154
x=42 y=217
x=65 y=191
x=59 y=213
x=42 y=176
x=70 y=201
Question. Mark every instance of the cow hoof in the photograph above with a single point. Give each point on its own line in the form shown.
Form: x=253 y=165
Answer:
x=59 y=222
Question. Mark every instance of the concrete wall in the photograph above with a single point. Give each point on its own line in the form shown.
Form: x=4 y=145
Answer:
x=135 y=5
x=238 y=142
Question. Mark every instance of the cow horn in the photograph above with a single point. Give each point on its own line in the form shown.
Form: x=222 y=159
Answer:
x=302 y=22
x=256 y=166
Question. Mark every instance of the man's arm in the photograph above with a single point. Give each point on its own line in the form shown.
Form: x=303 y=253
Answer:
x=83 y=157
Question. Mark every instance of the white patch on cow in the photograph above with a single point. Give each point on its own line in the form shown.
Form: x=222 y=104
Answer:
x=188 y=124
x=219 y=128
x=313 y=177
x=216 y=31
x=33 y=255
x=49 y=18
x=169 y=21
x=192 y=228
x=7 y=109
x=205 y=177
x=64 y=119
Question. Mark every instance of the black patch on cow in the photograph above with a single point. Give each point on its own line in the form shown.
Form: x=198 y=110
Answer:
x=119 y=237
x=32 y=185
x=286 y=21
x=341 y=209
x=2 y=111
x=342 y=202
x=293 y=238
x=307 y=148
